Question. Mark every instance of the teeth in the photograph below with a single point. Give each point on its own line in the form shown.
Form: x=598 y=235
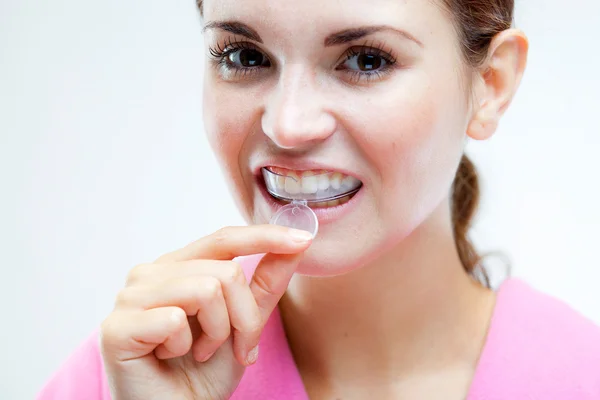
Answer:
x=280 y=181
x=310 y=184
x=344 y=200
x=350 y=182
x=316 y=184
x=292 y=186
x=333 y=203
x=336 y=181
x=323 y=182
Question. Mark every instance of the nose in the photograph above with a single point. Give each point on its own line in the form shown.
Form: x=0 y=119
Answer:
x=296 y=114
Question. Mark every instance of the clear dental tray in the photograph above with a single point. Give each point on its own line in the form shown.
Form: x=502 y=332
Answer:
x=316 y=188
x=299 y=191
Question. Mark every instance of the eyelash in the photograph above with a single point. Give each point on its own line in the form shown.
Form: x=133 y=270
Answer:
x=371 y=49
x=220 y=53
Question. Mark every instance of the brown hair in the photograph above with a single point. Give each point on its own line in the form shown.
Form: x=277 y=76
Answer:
x=476 y=22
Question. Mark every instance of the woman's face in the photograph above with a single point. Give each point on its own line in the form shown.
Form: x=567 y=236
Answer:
x=375 y=90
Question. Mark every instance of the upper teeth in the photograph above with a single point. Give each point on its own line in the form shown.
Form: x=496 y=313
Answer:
x=309 y=182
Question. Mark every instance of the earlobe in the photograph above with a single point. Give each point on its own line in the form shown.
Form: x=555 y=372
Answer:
x=499 y=80
x=482 y=127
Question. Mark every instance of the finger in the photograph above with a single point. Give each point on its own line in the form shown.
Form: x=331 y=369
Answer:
x=232 y=242
x=244 y=314
x=271 y=279
x=194 y=293
x=269 y=283
x=133 y=334
x=176 y=345
x=214 y=323
x=189 y=293
x=199 y=296
x=146 y=274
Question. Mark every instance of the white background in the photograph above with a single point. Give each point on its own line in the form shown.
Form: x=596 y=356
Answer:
x=105 y=165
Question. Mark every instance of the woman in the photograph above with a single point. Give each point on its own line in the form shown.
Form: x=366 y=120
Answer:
x=384 y=303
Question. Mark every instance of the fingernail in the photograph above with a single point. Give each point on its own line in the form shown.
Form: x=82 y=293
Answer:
x=252 y=356
x=300 y=236
x=207 y=357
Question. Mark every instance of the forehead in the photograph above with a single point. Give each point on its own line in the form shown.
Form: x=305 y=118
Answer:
x=293 y=18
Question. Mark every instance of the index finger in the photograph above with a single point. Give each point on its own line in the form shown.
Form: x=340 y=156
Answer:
x=231 y=242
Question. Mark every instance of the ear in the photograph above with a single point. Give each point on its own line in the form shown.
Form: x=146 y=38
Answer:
x=497 y=82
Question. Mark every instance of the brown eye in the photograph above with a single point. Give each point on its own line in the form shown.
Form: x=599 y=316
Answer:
x=369 y=62
x=364 y=62
x=247 y=58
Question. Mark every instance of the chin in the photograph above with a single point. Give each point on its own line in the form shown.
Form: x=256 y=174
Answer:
x=338 y=251
x=329 y=255
x=325 y=265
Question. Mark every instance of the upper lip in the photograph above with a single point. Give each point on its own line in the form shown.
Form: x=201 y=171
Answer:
x=300 y=165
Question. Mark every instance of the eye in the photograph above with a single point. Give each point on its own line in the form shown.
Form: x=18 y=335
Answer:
x=237 y=60
x=246 y=58
x=365 y=62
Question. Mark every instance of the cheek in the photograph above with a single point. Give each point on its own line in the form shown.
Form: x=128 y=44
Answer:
x=415 y=143
x=227 y=125
x=224 y=128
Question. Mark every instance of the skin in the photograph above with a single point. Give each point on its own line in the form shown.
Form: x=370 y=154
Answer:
x=402 y=134
x=380 y=305
x=187 y=325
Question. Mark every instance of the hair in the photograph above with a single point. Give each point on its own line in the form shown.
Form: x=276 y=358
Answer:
x=477 y=22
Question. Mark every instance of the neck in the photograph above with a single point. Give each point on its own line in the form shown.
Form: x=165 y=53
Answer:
x=412 y=311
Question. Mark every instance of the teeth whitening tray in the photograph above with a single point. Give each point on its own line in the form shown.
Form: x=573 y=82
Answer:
x=298 y=214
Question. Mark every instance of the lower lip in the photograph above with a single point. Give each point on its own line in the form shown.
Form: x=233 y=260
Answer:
x=324 y=214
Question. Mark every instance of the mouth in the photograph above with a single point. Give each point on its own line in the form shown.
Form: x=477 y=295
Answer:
x=318 y=188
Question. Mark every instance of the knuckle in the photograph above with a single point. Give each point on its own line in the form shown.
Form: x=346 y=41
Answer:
x=221 y=235
x=233 y=273
x=251 y=324
x=252 y=327
x=166 y=257
x=221 y=337
x=177 y=317
x=264 y=284
x=105 y=329
x=222 y=334
x=136 y=274
x=125 y=297
x=209 y=287
x=110 y=333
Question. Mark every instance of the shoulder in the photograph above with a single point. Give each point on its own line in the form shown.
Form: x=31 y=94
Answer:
x=543 y=319
x=539 y=345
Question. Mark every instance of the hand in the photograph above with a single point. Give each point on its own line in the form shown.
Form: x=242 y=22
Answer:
x=187 y=325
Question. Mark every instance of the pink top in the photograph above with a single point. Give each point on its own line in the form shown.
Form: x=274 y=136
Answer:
x=537 y=348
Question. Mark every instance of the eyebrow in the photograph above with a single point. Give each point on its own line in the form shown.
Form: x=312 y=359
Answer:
x=335 y=39
x=350 y=35
x=237 y=28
